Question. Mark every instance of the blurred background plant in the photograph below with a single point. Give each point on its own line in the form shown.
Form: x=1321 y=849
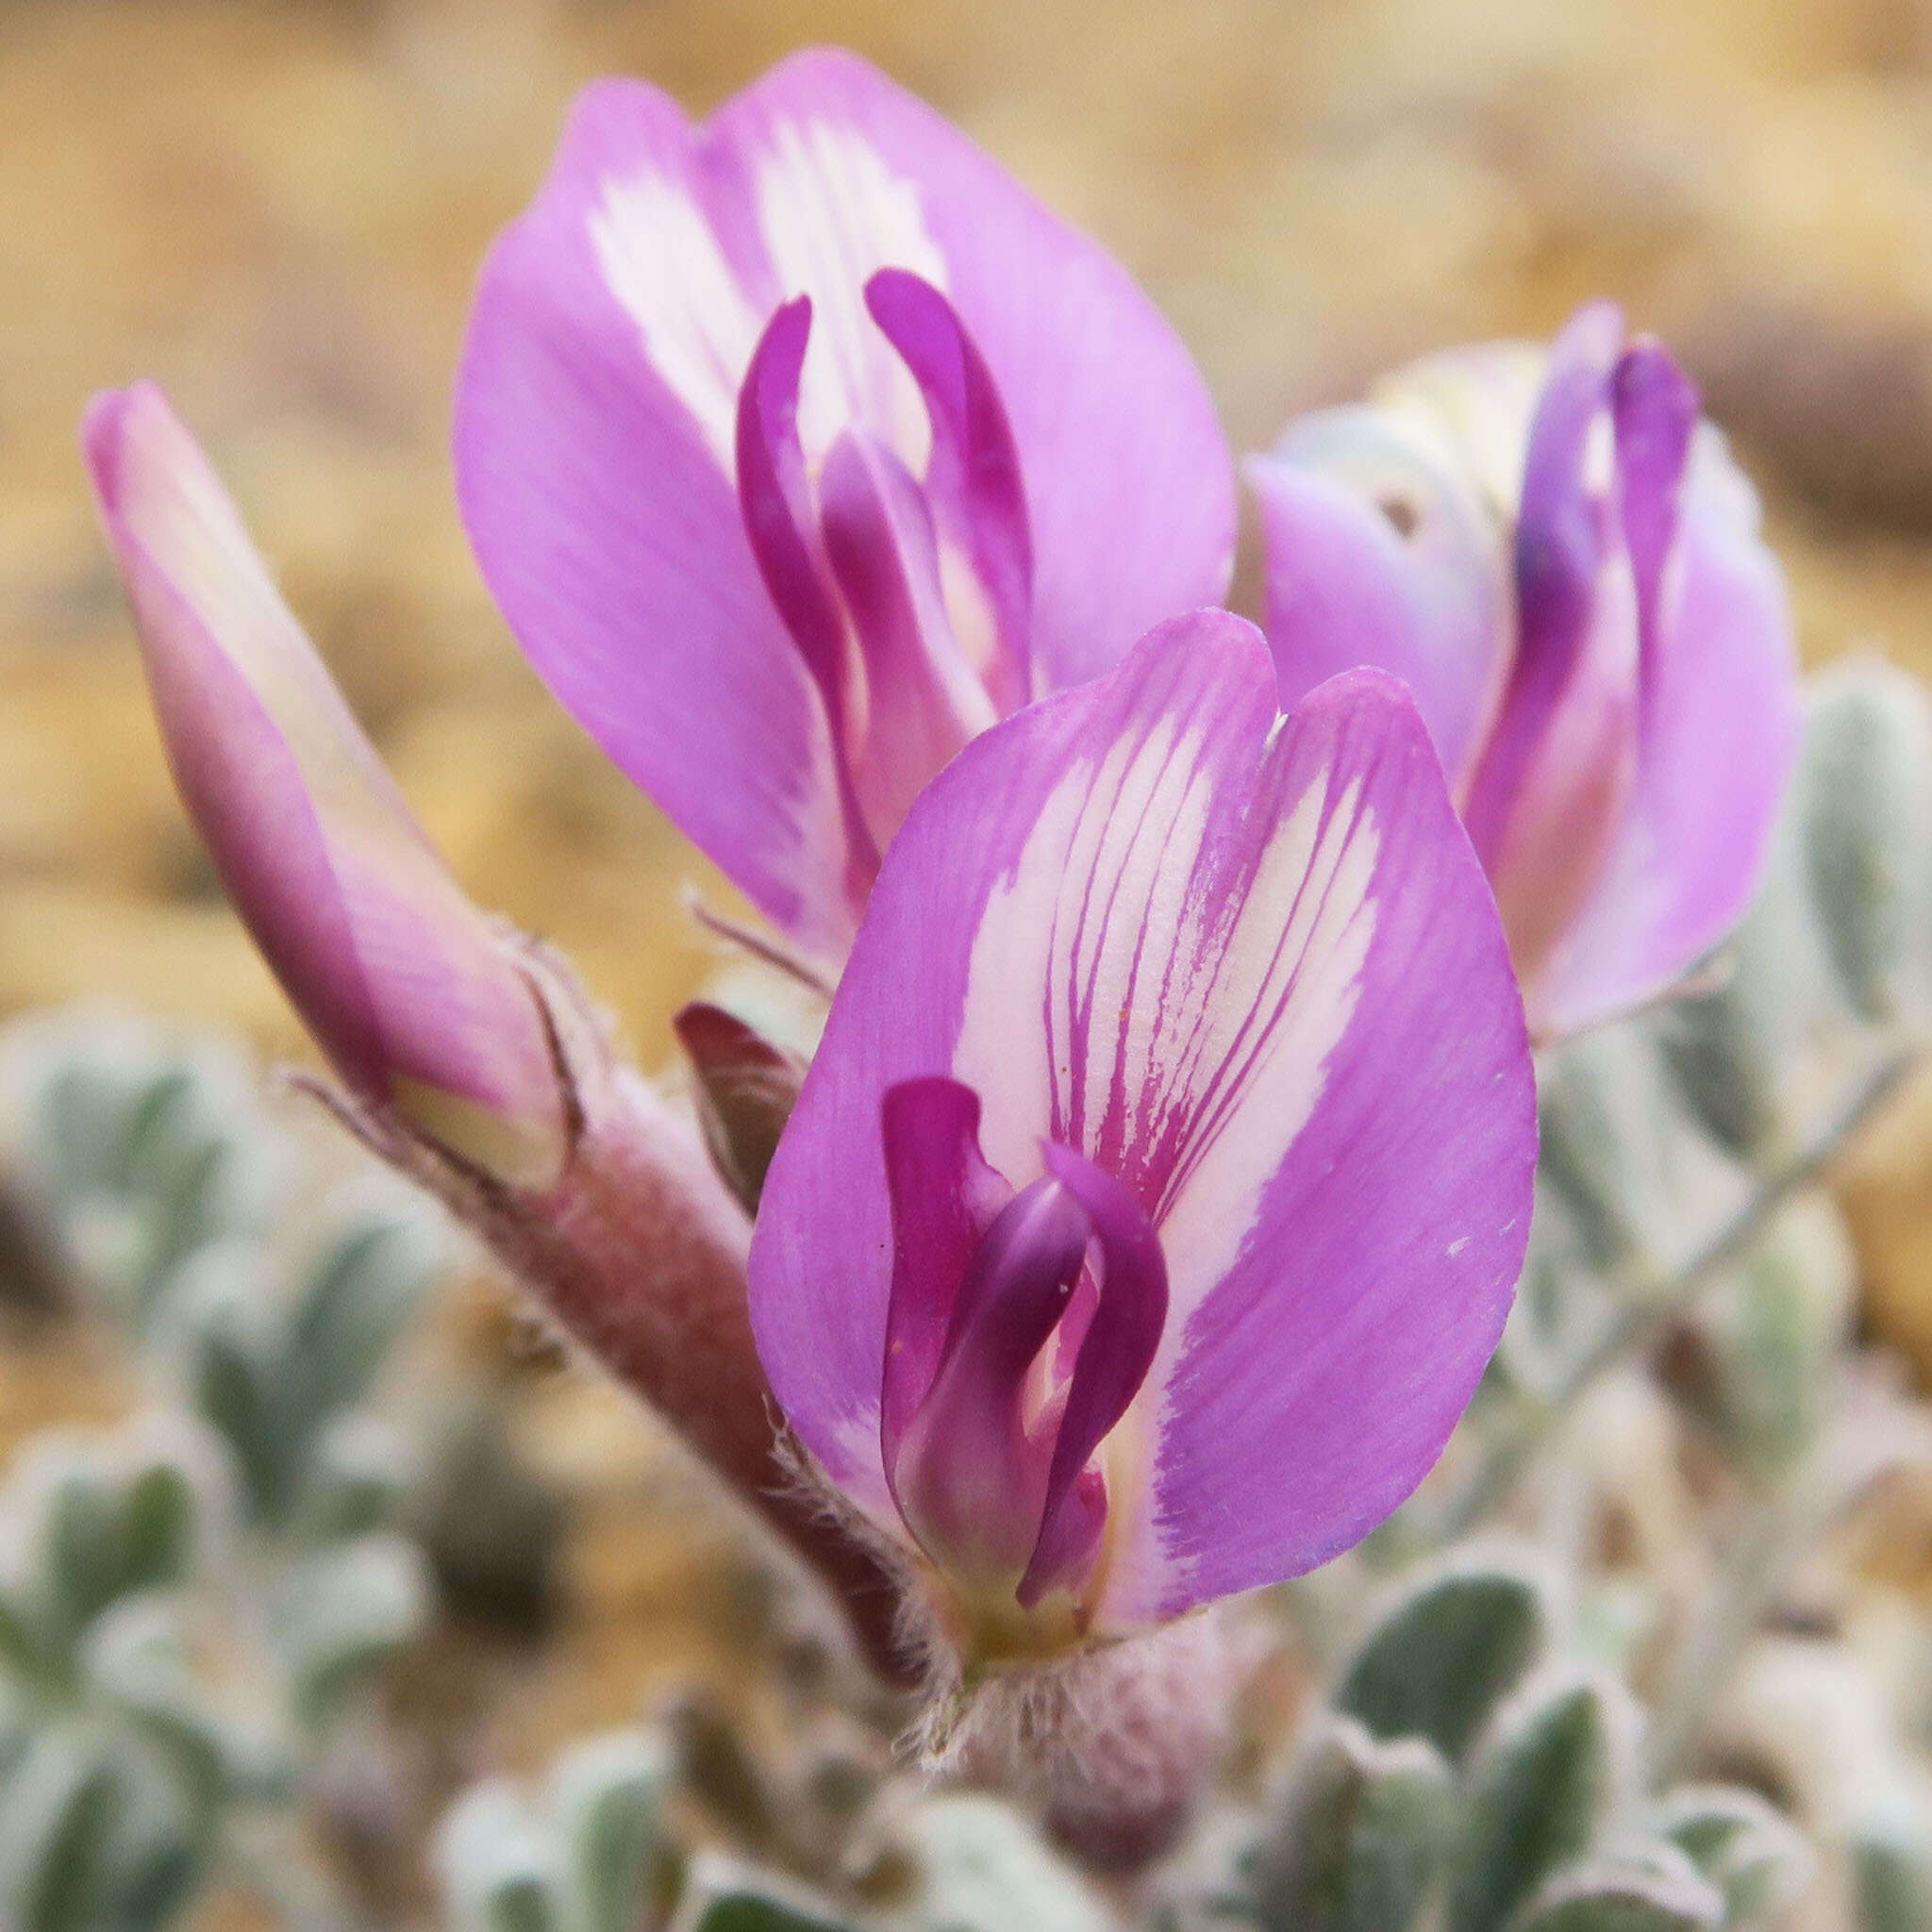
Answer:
x=193 y=1604
x=1651 y=1651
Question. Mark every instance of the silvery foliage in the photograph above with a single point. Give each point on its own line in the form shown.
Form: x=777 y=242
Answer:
x=189 y=1608
x=1469 y=1768
x=604 y=1846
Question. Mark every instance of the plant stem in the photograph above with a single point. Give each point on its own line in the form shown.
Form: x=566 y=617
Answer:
x=1653 y=1301
x=1837 y=1472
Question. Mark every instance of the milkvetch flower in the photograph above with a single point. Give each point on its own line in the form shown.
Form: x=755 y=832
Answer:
x=1559 y=557
x=471 y=1057
x=800 y=446
x=1158 y=1189
x=409 y=989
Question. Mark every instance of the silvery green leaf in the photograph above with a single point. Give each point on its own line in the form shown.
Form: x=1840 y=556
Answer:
x=76 y=1538
x=135 y=1662
x=1559 y=1302
x=607 y=1795
x=81 y=1108
x=1721 y=1047
x=1541 y=1783
x=1863 y=799
x=1209 y=1884
x=113 y=1524
x=1589 y=1158
x=985 y=1870
x=16 y=1727
x=725 y=1897
x=1624 y=1896
x=1751 y=1852
x=354 y=1481
x=156 y=1847
x=22 y=1642
x=154 y=1527
x=1889 y=1852
x=498 y=1868
x=1361 y=1837
x=1773 y=1333
x=145 y=1148
x=176 y=1168
x=1445 y=1649
x=55 y=1811
x=345 y=1611
x=218 y=1316
x=361 y=1292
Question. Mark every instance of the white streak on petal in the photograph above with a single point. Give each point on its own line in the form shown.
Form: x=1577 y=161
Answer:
x=1297 y=952
x=1002 y=1051
x=661 y=261
x=832 y=213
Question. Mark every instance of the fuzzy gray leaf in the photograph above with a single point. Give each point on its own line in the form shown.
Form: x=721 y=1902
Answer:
x=1444 y=1651
x=1625 y=1897
x=1863 y=799
x=1538 y=1789
x=608 y=1796
x=1748 y=1850
x=986 y=1871
x=1361 y=1838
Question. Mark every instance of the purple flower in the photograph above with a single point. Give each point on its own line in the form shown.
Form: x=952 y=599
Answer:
x=799 y=447
x=1158 y=1193
x=409 y=989
x=1560 y=559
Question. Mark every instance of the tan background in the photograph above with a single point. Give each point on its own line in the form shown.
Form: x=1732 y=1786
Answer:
x=278 y=210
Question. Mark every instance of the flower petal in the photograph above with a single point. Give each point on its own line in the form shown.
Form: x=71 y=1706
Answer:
x=594 y=427
x=974 y=479
x=594 y=430
x=1548 y=795
x=945 y=1199
x=921 y=701
x=1118 y=1348
x=1128 y=483
x=969 y=1476
x=1250 y=968
x=1379 y=553
x=1720 y=731
x=401 y=979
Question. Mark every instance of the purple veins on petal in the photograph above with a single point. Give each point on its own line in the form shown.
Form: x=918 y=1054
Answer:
x=1231 y=984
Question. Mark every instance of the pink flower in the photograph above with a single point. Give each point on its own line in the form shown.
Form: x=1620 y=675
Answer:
x=409 y=989
x=1562 y=560
x=1160 y=1188
x=801 y=446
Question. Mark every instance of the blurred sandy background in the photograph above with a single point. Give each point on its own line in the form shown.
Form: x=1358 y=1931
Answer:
x=278 y=210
